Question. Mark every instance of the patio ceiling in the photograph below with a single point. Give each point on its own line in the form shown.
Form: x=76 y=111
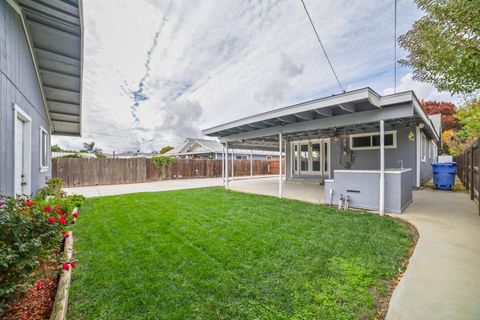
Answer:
x=54 y=31
x=350 y=112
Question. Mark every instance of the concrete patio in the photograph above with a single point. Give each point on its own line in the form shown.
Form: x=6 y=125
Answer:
x=442 y=280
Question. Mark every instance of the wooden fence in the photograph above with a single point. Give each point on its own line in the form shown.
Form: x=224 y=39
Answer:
x=91 y=172
x=468 y=164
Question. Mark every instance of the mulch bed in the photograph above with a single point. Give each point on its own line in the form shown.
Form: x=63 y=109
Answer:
x=35 y=304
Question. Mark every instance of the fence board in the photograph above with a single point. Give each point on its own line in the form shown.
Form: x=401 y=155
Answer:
x=468 y=170
x=91 y=171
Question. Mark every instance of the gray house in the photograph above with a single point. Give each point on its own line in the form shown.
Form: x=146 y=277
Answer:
x=368 y=150
x=40 y=87
x=193 y=148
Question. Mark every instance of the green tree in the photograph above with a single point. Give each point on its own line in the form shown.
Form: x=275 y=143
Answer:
x=444 y=45
x=165 y=149
x=89 y=147
x=469 y=116
x=56 y=148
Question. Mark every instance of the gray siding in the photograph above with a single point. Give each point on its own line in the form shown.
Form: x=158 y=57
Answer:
x=370 y=159
x=426 y=167
x=19 y=85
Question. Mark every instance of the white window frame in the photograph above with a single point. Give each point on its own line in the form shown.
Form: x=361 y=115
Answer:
x=423 y=147
x=371 y=134
x=323 y=157
x=47 y=153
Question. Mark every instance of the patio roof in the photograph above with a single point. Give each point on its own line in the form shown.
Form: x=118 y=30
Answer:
x=55 y=36
x=354 y=111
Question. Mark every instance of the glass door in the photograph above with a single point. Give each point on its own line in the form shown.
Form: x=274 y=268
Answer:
x=311 y=157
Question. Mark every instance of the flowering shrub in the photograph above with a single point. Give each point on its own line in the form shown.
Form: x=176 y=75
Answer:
x=31 y=233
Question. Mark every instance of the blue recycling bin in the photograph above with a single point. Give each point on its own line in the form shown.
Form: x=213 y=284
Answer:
x=444 y=175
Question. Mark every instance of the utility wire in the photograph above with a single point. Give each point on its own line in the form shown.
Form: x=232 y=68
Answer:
x=395 y=48
x=320 y=41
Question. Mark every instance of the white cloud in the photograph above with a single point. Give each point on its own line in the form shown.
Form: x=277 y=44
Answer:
x=422 y=90
x=215 y=61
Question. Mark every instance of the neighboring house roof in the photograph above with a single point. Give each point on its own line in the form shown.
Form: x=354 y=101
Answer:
x=55 y=35
x=193 y=146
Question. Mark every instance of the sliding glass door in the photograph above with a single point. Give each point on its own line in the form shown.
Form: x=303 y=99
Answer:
x=311 y=157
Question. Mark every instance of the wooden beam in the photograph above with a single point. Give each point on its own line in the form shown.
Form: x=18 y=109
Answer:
x=288 y=119
x=324 y=112
x=305 y=115
x=350 y=107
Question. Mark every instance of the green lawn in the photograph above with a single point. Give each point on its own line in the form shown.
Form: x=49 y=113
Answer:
x=214 y=254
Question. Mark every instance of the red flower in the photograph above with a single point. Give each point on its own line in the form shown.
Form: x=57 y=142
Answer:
x=2 y=203
x=39 y=285
x=48 y=208
x=73 y=264
x=65 y=266
x=29 y=203
x=75 y=215
x=62 y=220
x=51 y=219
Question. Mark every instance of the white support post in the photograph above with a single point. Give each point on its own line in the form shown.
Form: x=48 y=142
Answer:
x=280 y=145
x=226 y=166
x=233 y=165
x=251 y=163
x=223 y=164
x=381 y=207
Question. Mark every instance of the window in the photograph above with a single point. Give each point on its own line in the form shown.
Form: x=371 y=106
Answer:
x=316 y=166
x=372 y=140
x=242 y=157
x=304 y=157
x=423 y=145
x=44 y=150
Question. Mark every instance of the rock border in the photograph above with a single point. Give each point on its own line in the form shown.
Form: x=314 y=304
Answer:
x=60 y=305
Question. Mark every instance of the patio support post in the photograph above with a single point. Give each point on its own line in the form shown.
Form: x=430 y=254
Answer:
x=280 y=145
x=251 y=163
x=223 y=164
x=233 y=165
x=226 y=165
x=381 y=207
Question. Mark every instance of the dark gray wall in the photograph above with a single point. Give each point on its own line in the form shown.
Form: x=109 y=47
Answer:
x=19 y=85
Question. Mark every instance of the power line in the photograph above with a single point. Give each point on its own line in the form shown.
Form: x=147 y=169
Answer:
x=395 y=48
x=320 y=41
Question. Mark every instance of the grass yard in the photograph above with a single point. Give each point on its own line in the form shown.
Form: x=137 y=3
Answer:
x=215 y=254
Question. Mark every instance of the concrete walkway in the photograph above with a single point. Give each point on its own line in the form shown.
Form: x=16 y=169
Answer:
x=164 y=185
x=442 y=280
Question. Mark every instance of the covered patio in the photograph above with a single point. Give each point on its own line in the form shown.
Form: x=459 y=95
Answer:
x=368 y=150
x=308 y=191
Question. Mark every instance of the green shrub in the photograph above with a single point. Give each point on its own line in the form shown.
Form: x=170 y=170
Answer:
x=31 y=231
x=162 y=161
x=53 y=189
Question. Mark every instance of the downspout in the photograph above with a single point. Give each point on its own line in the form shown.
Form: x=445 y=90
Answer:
x=419 y=151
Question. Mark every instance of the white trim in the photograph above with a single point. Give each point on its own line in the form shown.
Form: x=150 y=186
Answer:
x=309 y=142
x=387 y=171
x=15 y=6
x=418 y=147
x=27 y=148
x=47 y=153
x=423 y=144
x=371 y=134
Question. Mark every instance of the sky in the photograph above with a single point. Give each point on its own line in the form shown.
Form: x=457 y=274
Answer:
x=157 y=71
